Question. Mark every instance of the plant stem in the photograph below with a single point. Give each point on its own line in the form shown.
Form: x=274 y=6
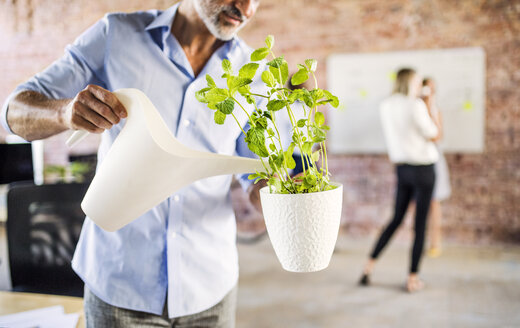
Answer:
x=245 y=111
x=324 y=147
x=258 y=95
x=281 y=146
x=315 y=80
x=325 y=159
x=245 y=134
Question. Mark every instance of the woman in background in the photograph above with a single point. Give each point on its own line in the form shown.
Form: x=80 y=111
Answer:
x=410 y=134
x=442 y=189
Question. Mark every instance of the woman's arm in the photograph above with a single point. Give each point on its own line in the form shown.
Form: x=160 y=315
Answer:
x=424 y=121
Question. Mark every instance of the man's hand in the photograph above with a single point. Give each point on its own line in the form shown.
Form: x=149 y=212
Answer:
x=94 y=109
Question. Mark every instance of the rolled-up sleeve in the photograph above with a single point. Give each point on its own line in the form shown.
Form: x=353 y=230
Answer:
x=423 y=121
x=81 y=64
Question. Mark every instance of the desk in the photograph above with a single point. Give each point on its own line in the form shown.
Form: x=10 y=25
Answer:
x=11 y=302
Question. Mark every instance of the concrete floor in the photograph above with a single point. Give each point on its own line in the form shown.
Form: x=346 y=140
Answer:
x=466 y=287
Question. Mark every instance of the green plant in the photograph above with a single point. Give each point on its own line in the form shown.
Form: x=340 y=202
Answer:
x=263 y=137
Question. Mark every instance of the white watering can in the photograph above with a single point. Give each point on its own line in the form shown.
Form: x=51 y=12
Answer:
x=146 y=164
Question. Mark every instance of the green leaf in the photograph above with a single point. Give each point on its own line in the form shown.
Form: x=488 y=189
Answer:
x=216 y=95
x=226 y=66
x=295 y=136
x=226 y=106
x=282 y=72
x=250 y=99
x=234 y=83
x=272 y=147
x=259 y=54
x=307 y=98
x=289 y=160
x=275 y=105
x=211 y=82
x=310 y=179
x=334 y=100
x=329 y=187
x=295 y=95
x=311 y=64
x=277 y=62
x=201 y=95
x=315 y=156
x=278 y=159
x=269 y=41
x=291 y=164
x=219 y=117
x=290 y=150
x=316 y=94
x=276 y=183
x=301 y=123
x=319 y=135
x=268 y=79
x=248 y=71
x=262 y=121
x=319 y=118
x=255 y=140
x=307 y=147
x=270 y=132
x=300 y=77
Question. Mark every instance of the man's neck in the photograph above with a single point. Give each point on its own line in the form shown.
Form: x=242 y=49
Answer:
x=193 y=36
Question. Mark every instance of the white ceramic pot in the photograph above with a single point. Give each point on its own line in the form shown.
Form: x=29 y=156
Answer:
x=303 y=228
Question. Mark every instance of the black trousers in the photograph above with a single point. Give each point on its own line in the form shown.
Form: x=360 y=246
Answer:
x=412 y=181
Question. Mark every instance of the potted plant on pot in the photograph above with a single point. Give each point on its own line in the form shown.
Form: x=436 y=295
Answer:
x=302 y=213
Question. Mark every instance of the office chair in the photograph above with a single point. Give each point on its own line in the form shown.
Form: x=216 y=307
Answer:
x=43 y=227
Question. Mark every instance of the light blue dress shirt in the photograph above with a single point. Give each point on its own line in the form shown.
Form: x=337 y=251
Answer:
x=184 y=249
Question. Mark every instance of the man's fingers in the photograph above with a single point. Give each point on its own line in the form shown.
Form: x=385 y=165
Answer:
x=79 y=123
x=90 y=116
x=90 y=101
x=109 y=99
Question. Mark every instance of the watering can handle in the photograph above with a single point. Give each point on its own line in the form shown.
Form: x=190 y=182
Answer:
x=76 y=138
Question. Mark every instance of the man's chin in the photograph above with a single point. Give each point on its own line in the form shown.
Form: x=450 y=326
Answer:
x=225 y=36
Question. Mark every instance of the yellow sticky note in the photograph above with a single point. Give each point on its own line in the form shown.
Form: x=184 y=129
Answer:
x=468 y=106
x=392 y=76
x=363 y=93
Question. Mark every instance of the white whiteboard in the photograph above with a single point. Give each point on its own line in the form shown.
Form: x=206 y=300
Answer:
x=362 y=81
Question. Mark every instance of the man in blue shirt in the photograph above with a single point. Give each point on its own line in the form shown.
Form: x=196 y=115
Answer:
x=178 y=263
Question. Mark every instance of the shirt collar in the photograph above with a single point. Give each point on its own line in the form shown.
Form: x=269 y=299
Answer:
x=164 y=19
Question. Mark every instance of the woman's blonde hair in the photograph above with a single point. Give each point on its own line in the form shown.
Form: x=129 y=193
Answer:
x=402 y=81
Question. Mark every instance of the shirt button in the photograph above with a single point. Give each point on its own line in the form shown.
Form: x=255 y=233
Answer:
x=186 y=123
x=173 y=235
x=176 y=198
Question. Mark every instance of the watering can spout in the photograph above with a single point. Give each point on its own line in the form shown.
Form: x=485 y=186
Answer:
x=136 y=174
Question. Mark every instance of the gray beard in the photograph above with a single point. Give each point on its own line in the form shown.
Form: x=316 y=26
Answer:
x=209 y=13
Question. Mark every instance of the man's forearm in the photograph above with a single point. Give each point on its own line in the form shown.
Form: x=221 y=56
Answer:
x=33 y=116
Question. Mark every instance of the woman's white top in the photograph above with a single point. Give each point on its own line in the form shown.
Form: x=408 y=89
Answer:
x=408 y=130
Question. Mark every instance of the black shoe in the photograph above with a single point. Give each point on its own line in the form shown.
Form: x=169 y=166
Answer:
x=365 y=280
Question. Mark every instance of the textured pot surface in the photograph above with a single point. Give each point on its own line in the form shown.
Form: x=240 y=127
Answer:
x=303 y=228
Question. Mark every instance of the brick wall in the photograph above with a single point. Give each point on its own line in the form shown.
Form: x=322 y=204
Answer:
x=484 y=207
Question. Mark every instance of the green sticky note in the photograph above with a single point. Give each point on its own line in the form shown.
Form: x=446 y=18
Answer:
x=468 y=106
